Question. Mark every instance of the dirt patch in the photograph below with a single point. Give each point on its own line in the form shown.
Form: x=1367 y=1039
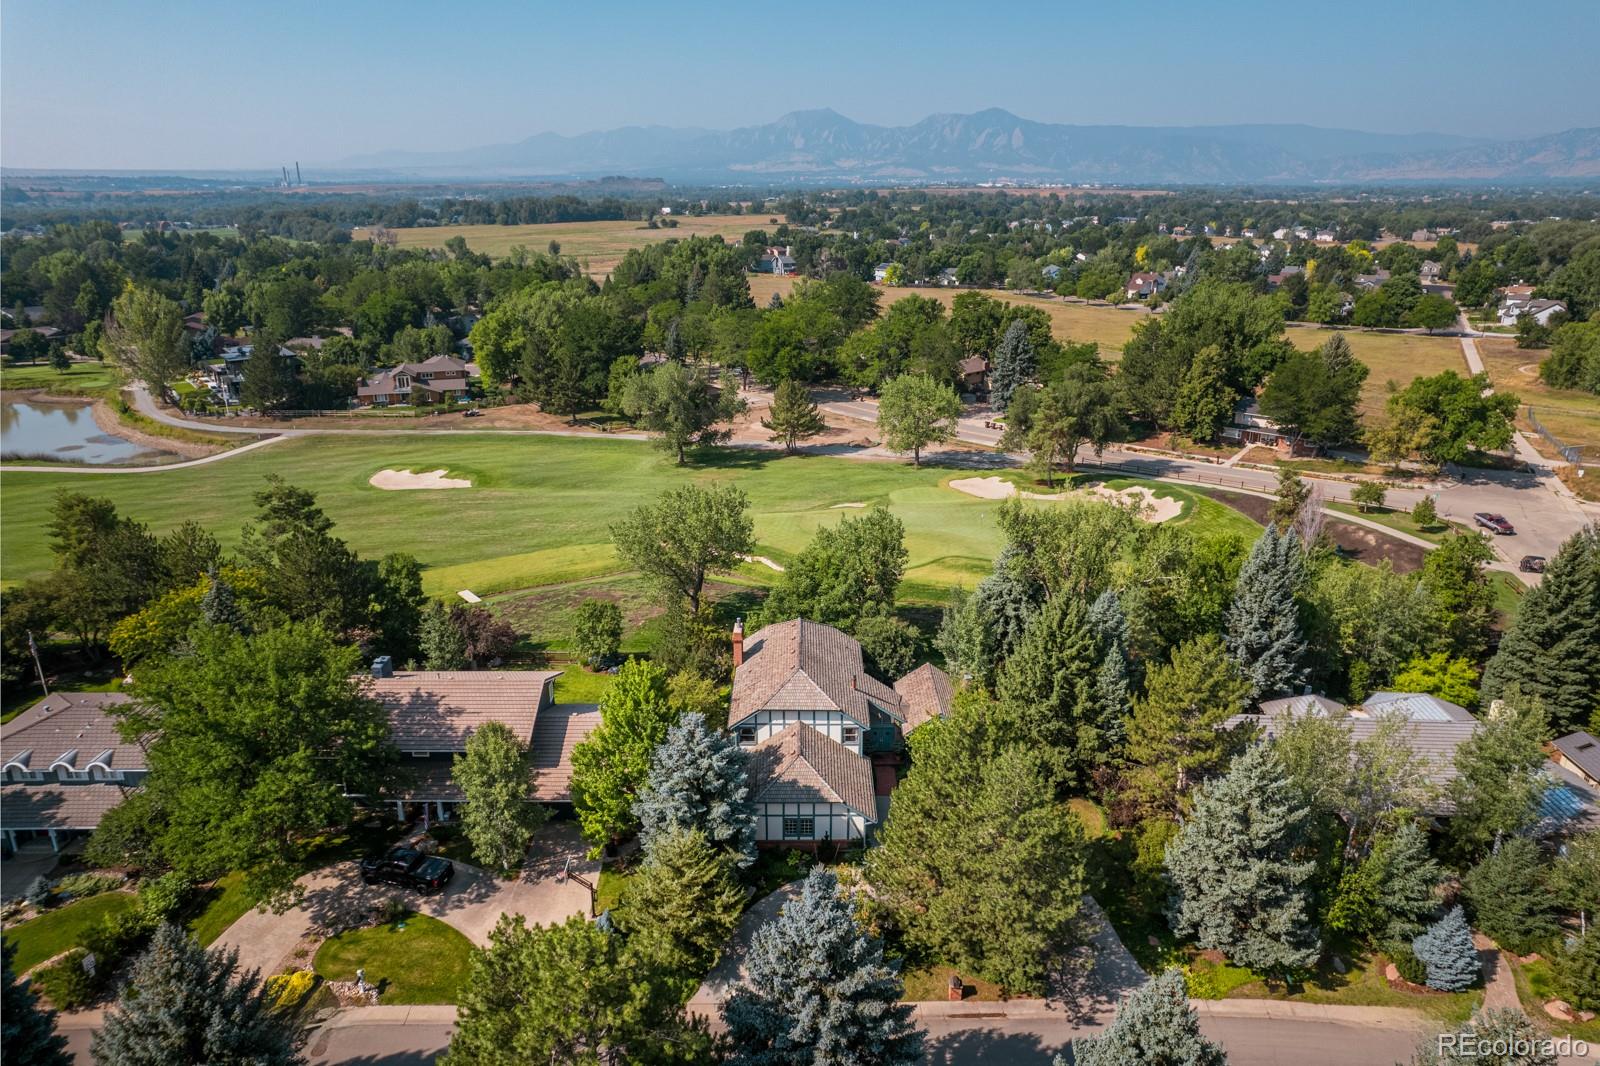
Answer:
x=764 y=561
x=408 y=479
x=1357 y=542
x=107 y=419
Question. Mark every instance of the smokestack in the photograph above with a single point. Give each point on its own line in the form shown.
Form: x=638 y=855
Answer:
x=297 y=180
x=738 y=643
x=285 y=176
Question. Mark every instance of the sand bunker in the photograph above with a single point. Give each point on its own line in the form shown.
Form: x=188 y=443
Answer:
x=406 y=479
x=764 y=561
x=836 y=506
x=1151 y=508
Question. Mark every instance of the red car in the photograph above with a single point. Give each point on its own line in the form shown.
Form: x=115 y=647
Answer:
x=1494 y=523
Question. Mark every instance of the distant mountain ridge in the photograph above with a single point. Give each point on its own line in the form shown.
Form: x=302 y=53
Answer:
x=995 y=145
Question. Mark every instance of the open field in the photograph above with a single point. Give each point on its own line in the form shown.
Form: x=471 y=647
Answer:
x=1397 y=357
x=602 y=244
x=1572 y=415
x=539 y=508
x=80 y=378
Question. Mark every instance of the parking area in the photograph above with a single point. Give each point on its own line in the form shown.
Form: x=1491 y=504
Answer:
x=473 y=902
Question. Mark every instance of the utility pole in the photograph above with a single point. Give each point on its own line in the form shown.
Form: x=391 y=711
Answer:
x=37 y=666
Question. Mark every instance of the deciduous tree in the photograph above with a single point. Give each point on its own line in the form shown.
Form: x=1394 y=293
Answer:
x=681 y=408
x=27 y=1029
x=497 y=814
x=915 y=411
x=612 y=763
x=145 y=338
x=687 y=534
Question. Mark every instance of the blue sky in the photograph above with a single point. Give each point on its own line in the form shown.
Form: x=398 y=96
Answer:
x=184 y=84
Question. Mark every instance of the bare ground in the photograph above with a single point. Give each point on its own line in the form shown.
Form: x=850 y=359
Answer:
x=1357 y=542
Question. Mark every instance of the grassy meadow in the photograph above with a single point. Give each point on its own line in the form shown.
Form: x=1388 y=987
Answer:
x=601 y=243
x=1570 y=414
x=538 y=511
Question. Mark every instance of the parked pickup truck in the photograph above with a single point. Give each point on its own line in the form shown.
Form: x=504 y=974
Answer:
x=1494 y=523
x=409 y=869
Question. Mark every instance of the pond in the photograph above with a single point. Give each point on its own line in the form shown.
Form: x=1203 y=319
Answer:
x=65 y=432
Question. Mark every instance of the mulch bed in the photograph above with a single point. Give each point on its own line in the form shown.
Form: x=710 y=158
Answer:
x=1356 y=542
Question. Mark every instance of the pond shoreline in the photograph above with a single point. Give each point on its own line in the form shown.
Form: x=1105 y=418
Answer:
x=158 y=450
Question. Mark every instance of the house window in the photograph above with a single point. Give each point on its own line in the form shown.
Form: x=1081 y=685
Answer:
x=747 y=734
x=852 y=735
x=799 y=828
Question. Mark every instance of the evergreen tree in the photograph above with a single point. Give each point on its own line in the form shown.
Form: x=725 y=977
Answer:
x=570 y=993
x=182 y=1003
x=1263 y=621
x=1521 y=1043
x=1007 y=600
x=1447 y=951
x=1511 y=901
x=684 y=902
x=1175 y=735
x=220 y=606
x=612 y=763
x=792 y=417
x=1155 y=1026
x=1577 y=970
x=27 y=1030
x=977 y=843
x=1112 y=685
x=1048 y=688
x=442 y=644
x=1500 y=779
x=1237 y=884
x=1550 y=650
x=1293 y=494
x=1408 y=879
x=1014 y=364
x=698 y=781
x=495 y=776
x=819 y=991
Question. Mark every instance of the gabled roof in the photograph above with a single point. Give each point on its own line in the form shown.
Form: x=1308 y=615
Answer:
x=800 y=665
x=558 y=730
x=1417 y=706
x=1583 y=751
x=437 y=710
x=925 y=693
x=973 y=364
x=74 y=729
x=800 y=765
x=1318 y=706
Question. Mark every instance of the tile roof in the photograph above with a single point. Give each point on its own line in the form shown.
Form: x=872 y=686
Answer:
x=1582 y=750
x=800 y=665
x=73 y=728
x=800 y=765
x=924 y=693
x=436 y=710
x=52 y=805
x=558 y=730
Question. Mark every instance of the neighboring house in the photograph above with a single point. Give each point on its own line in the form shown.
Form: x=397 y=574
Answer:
x=1580 y=753
x=1372 y=280
x=1416 y=706
x=1250 y=426
x=776 y=261
x=1326 y=236
x=432 y=713
x=823 y=734
x=225 y=377
x=1052 y=272
x=441 y=379
x=47 y=332
x=1144 y=284
x=65 y=766
x=1276 y=280
x=974 y=373
x=1430 y=271
x=946 y=278
x=881 y=272
x=1541 y=311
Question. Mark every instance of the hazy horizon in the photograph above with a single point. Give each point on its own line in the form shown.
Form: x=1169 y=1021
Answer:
x=184 y=87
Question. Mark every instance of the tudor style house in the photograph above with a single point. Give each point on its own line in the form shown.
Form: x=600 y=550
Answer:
x=66 y=765
x=823 y=735
x=432 y=713
x=441 y=379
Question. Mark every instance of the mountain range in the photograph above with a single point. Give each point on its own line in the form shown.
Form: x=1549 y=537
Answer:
x=995 y=145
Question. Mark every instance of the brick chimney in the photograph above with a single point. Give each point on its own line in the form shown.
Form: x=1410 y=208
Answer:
x=738 y=643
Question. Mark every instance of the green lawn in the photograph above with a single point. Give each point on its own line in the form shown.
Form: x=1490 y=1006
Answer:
x=1400 y=520
x=1363 y=986
x=225 y=903
x=578 y=685
x=415 y=960
x=539 y=507
x=1536 y=986
x=63 y=928
x=79 y=379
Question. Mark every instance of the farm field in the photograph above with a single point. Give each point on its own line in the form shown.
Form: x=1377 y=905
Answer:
x=602 y=244
x=538 y=511
x=1571 y=415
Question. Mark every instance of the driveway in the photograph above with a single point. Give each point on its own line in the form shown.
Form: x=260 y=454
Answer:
x=472 y=904
x=33 y=858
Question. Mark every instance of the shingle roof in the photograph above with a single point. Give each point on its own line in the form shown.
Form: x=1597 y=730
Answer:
x=558 y=730
x=924 y=693
x=805 y=666
x=53 y=805
x=800 y=765
x=73 y=728
x=436 y=710
x=1583 y=751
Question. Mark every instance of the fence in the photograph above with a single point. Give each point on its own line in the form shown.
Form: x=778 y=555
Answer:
x=1159 y=469
x=1572 y=453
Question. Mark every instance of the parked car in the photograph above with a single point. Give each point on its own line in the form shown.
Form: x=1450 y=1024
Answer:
x=1494 y=523
x=472 y=412
x=1531 y=564
x=408 y=868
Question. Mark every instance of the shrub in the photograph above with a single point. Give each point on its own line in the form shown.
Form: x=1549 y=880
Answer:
x=78 y=886
x=162 y=897
x=1424 y=513
x=38 y=891
x=288 y=990
x=1369 y=495
x=1405 y=960
x=1447 y=951
x=1577 y=971
x=597 y=632
x=65 y=983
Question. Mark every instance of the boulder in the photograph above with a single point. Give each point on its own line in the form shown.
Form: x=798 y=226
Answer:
x=1559 y=1010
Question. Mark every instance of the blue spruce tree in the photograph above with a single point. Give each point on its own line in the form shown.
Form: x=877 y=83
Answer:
x=697 y=781
x=1014 y=364
x=1446 y=949
x=1263 y=633
x=820 y=991
x=1155 y=1026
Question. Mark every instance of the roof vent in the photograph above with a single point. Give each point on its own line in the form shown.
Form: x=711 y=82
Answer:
x=383 y=666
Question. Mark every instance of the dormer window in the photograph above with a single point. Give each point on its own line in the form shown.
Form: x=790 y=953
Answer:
x=747 y=734
x=851 y=735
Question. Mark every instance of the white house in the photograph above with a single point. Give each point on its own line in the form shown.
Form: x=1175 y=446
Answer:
x=1513 y=310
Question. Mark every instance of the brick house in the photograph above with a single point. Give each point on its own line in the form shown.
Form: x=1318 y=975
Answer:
x=441 y=379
